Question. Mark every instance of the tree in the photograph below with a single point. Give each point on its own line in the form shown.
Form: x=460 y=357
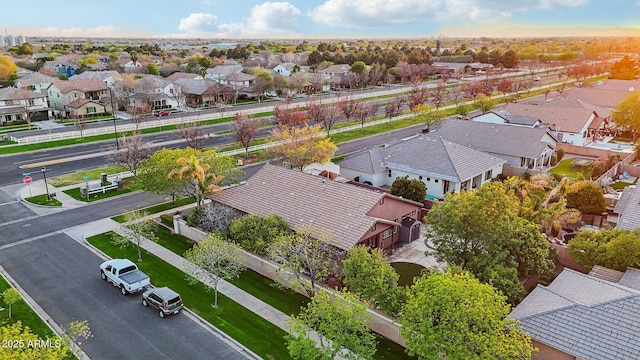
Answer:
x=131 y=154
x=505 y=85
x=364 y=110
x=480 y=231
x=192 y=134
x=302 y=146
x=367 y=272
x=510 y=59
x=263 y=82
x=11 y=296
x=304 y=260
x=289 y=117
x=428 y=115
x=587 y=197
x=627 y=113
x=23 y=336
x=155 y=170
x=412 y=189
x=198 y=174
x=215 y=258
x=256 y=233
x=359 y=68
x=80 y=122
x=348 y=107
x=484 y=103
x=340 y=326
x=245 y=130
x=217 y=217
x=138 y=113
x=152 y=69
x=316 y=112
x=616 y=249
x=135 y=230
x=330 y=118
x=8 y=71
x=455 y=316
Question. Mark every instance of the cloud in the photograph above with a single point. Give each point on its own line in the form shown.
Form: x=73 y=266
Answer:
x=199 y=23
x=376 y=13
x=269 y=18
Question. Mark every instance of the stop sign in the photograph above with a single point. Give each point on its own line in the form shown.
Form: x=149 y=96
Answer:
x=27 y=179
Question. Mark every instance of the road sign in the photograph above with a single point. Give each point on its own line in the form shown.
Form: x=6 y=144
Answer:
x=27 y=179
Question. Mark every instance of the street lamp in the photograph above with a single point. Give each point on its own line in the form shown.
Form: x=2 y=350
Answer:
x=113 y=113
x=46 y=186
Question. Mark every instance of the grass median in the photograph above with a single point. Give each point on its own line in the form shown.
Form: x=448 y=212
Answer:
x=21 y=311
x=43 y=200
x=254 y=332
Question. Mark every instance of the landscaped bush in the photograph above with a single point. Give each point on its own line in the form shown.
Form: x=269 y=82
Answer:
x=603 y=164
x=167 y=220
x=255 y=233
x=216 y=217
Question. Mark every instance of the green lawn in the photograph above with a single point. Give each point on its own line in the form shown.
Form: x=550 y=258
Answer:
x=20 y=311
x=257 y=334
x=407 y=272
x=78 y=176
x=267 y=290
x=565 y=168
x=619 y=185
x=42 y=200
x=158 y=208
x=129 y=186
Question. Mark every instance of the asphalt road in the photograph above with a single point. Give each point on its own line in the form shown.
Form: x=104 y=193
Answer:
x=62 y=276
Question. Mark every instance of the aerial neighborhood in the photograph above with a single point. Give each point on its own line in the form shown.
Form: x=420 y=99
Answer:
x=434 y=198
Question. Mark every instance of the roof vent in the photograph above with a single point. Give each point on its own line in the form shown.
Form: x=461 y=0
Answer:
x=632 y=88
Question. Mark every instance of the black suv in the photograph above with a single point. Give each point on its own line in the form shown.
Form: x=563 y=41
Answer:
x=163 y=299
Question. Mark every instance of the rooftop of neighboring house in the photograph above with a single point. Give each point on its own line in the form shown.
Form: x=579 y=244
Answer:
x=36 y=78
x=102 y=75
x=566 y=101
x=629 y=209
x=515 y=119
x=225 y=69
x=336 y=69
x=88 y=84
x=585 y=316
x=182 y=75
x=498 y=139
x=196 y=86
x=77 y=103
x=238 y=77
x=308 y=200
x=430 y=156
x=557 y=118
x=607 y=93
x=11 y=93
x=150 y=82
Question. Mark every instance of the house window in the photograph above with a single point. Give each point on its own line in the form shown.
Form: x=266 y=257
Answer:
x=413 y=212
x=428 y=179
x=487 y=175
x=389 y=172
x=387 y=233
x=420 y=177
x=91 y=110
x=436 y=181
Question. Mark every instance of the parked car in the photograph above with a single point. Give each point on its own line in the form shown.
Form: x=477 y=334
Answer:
x=536 y=78
x=123 y=273
x=163 y=113
x=163 y=299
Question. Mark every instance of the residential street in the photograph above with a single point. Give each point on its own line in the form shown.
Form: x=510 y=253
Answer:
x=61 y=275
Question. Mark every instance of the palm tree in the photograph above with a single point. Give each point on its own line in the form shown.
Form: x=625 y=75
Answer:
x=554 y=217
x=204 y=182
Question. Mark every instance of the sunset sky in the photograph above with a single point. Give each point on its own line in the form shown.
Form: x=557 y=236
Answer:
x=316 y=18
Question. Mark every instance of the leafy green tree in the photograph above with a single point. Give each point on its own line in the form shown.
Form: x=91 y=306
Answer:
x=10 y=296
x=480 y=231
x=153 y=69
x=484 y=103
x=428 y=115
x=368 y=273
x=627 y=113
x=136 y=229
x=412 y=189
x=510 y=59
x=256 y=233
x=24 y=336
x=215 y=257
x=624 y=69
x=302 y=146
x=587 y=197
x=616 y=249
x=455 y=315
x=340 y=326
x=8 y=71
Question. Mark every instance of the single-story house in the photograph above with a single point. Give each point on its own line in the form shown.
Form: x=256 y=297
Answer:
x=443 y=165
x=201 y=91
x=502 y=116
x=522 y=147
x=349 y=214
x=583 y=317
x=572 y=120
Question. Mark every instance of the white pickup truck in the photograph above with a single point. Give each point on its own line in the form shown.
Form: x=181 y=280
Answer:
x=124 y=274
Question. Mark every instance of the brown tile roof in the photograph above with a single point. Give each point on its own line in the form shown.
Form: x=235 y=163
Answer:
x=565 y=119
x=19 y=94
x=302 y=199
x=89 y=84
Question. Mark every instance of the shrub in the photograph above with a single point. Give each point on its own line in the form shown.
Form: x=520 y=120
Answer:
x=167 y=220
x=255 y=233
x=559 y=154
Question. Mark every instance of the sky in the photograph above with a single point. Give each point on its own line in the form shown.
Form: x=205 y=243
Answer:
x=321 y=18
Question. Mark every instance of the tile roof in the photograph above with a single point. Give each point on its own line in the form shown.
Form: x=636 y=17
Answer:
x=629 y=209
x=225 y=69
x=102 y=75
x=196 y=86
x=238 y=77
x=631 y=279
x=496 y=139
x=36 y=78
x=11 y=93
x=89 y=84
x=584 y=316
x=181 y=75
x=337 y=69
x=566 y=101
x=565 y=119
x=303 y=199
x=425 y=155
x=516 y=119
